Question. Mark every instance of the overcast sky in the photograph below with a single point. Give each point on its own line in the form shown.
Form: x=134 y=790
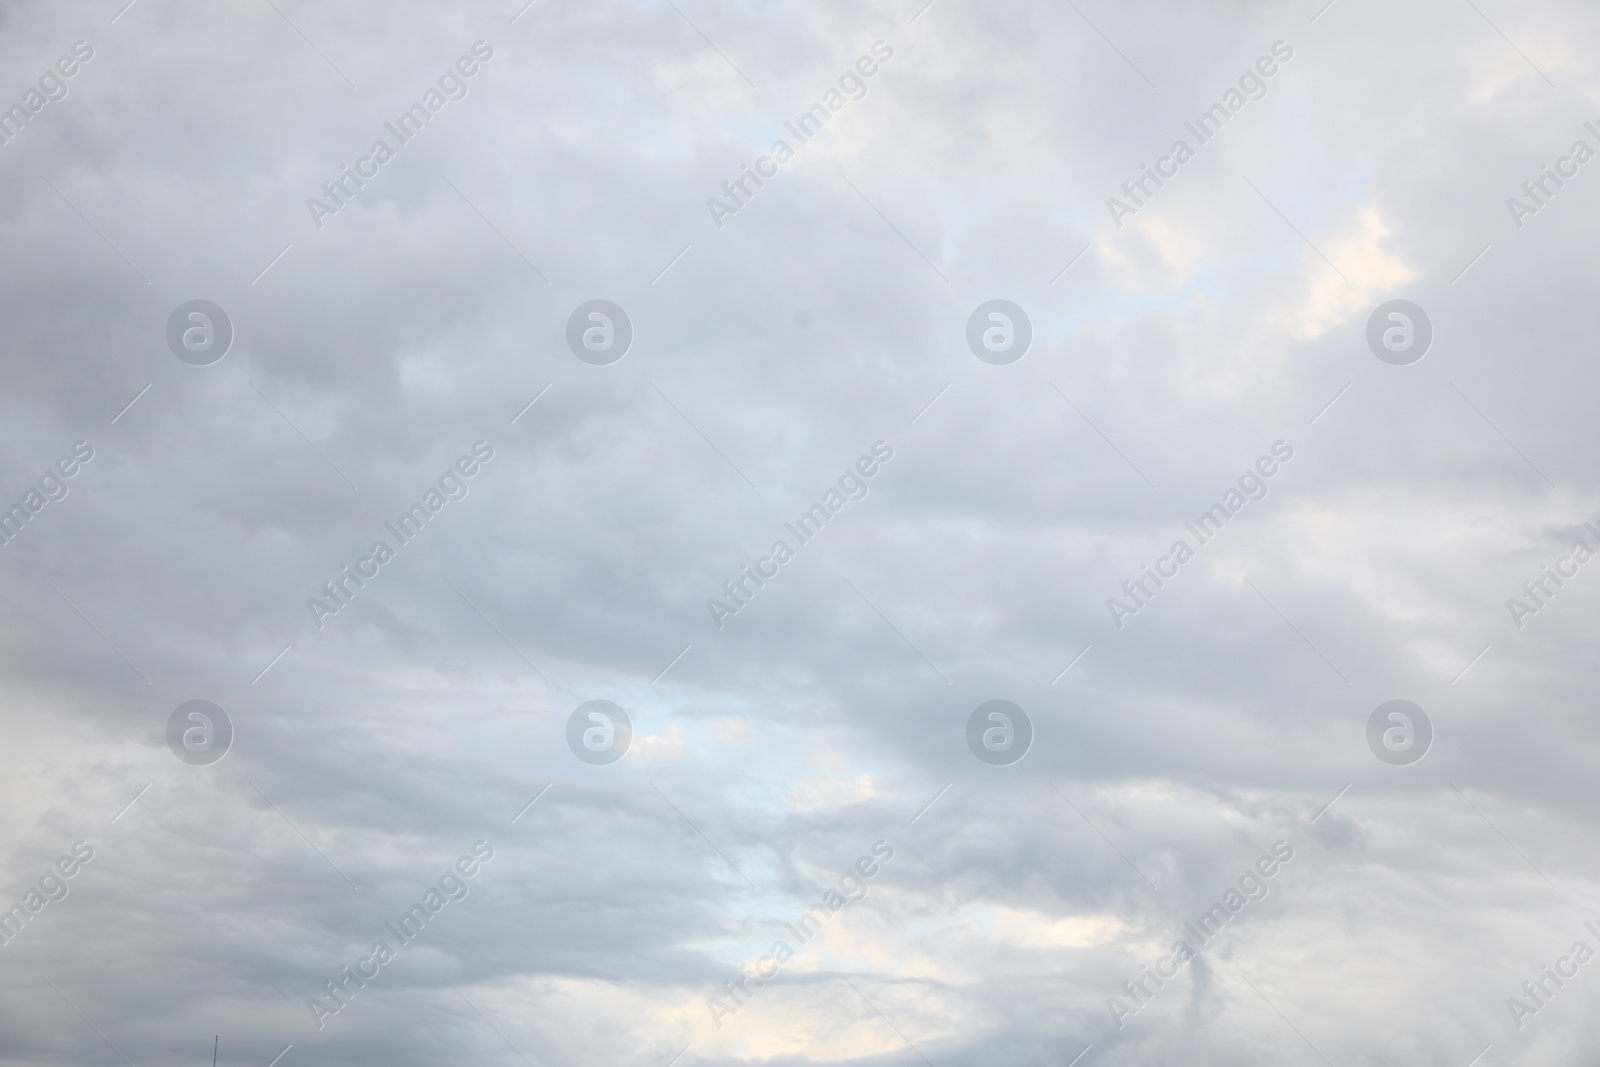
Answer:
x=173 y=510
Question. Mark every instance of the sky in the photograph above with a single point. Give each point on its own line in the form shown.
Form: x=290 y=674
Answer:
x=451 y=505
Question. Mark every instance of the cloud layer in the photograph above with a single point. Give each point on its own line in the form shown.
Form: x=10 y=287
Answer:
x=399 y=315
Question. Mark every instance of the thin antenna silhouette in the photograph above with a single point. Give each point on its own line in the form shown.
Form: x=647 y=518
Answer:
x=214 y=1051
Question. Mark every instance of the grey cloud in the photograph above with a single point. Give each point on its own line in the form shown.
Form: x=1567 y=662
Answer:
x=1227 y=714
